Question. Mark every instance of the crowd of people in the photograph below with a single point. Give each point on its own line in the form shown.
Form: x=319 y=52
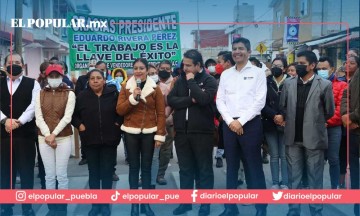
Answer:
x=305 y=112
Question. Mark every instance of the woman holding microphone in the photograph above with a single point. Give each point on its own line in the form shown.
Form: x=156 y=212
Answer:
x=142 y=104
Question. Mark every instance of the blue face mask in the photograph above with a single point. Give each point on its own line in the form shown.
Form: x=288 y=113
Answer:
x=119 y=79
x=323 y=73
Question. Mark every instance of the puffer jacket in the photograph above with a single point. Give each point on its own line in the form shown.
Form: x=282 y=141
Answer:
x=145 y=116
x=99 y=117
x=338 y=88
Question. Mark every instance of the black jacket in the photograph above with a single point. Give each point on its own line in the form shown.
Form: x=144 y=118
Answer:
x=201 y=114
x=271 y=107
x=99 y=116
x=81 y=84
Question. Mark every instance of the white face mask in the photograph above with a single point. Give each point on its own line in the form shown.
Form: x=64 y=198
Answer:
x=212 y=69
x=91 y=68
x=54 y=83
x=155 y=77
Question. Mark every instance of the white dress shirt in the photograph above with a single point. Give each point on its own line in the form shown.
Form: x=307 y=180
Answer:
x=241 y=94
x=29 y=113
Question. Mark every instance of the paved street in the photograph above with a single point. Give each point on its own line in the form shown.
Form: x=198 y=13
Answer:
x=78 y=178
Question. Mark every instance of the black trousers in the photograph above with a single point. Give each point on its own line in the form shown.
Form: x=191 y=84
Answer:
x=221 y=135
x=23 y=162
x=194 y=153
x=343 y=154
x=101 y=165
x=140 y=149
x=83 y=147
x=246 y=147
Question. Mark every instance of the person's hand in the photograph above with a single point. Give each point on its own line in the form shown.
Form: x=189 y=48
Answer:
x=158 y=143
x=346 y=120
x=137 y=91
x=189 y=76
x=50 y=139
x=53 y=145
x=193 y=100
x=236 y=127
x=353 y=126
x=11 y=124
x=326 y=124
x=283 y=123
x=278 y=119
x=82 y=127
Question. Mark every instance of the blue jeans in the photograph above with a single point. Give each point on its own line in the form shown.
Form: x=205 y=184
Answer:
x=275 y=141
x=334 y=140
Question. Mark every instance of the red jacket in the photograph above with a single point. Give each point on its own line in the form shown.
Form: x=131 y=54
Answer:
x=338 y=88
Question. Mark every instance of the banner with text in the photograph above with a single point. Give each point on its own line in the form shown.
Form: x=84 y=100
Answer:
x=118 y=41
x=180 y=196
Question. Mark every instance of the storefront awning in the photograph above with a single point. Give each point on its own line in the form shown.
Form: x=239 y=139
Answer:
x=323 y=40
x=352 y=36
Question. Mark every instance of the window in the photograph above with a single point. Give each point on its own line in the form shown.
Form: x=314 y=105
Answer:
x=304 y=7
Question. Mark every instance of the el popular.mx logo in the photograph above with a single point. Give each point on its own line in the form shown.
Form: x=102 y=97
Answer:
x=277 y=196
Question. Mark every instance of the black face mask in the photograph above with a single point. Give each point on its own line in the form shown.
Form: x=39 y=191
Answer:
x=16 y=69
x=276 y=72
x=164 y=74
x=301 y=70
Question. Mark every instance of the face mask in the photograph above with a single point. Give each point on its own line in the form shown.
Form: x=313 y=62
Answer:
x=54 y=83
x=219 y=68
x=91 y=68
x=164 y=74
x=323 y=73
x=16 y=69
x=119 y=79
x=276 y=72
x=301 y=70
x=155 y=78
x=212 y=69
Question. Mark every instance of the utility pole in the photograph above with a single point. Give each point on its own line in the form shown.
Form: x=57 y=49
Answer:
x=198 y=25
x=18 y=30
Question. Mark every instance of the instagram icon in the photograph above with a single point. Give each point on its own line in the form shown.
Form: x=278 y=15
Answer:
x=20 y=196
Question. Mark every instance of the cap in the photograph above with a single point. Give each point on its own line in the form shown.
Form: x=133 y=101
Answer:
x=54 y=67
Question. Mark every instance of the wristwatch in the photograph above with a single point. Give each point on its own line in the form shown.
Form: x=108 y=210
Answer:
x=4 y=121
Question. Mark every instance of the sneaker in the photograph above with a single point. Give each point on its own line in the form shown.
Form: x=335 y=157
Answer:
x=219 y=162
x=275 y=187
x=284 y=187
x=83 y=162
x=115 y=177
x=161 y=181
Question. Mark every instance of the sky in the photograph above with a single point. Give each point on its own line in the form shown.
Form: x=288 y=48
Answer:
x=209 y=11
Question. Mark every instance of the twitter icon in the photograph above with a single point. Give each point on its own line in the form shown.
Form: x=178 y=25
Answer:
x=277 y=196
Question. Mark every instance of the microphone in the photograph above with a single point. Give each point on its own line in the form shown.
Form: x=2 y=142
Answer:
x=138 y=84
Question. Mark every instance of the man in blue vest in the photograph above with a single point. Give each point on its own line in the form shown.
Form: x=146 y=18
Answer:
x=21 y=125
